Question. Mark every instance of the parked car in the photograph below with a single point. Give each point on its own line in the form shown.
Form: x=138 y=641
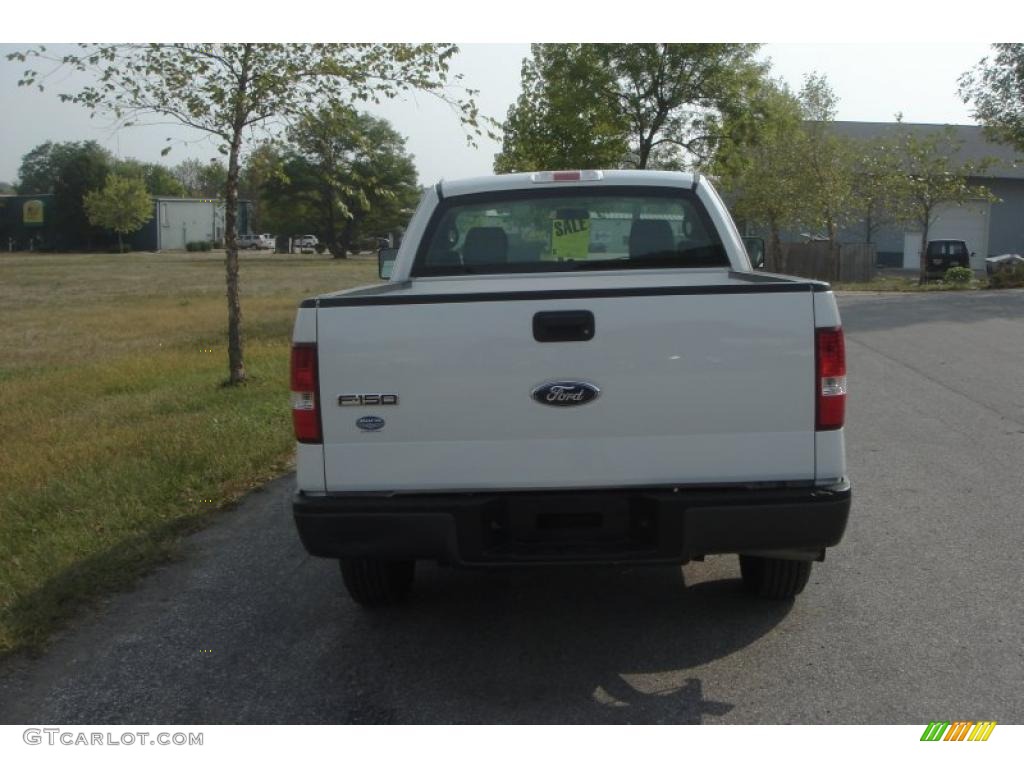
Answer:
x=994 y=264
x=512 y=397
x=943 y=254
x=305 y=242
x=261 y=242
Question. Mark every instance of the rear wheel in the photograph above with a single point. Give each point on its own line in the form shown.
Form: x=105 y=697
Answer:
x=377 y=582
x=773 y=578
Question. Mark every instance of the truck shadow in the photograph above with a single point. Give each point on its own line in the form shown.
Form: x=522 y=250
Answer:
x=581 y=645
x=287 y=645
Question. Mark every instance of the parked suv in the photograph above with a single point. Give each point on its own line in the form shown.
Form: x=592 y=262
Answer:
x=943 y=254
x=261 y=242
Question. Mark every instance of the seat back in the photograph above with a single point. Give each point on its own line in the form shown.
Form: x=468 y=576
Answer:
x=485 y=245
x=649 y=237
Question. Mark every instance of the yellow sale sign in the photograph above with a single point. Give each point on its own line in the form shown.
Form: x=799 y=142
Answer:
x=570 y=238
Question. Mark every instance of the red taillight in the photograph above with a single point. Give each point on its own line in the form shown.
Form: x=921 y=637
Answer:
x=830 y=357
x=305 y=407
x=565 y=176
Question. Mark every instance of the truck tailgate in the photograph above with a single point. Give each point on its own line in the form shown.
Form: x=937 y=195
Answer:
x=695 y=387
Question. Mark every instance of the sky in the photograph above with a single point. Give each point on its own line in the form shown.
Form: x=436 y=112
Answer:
x=873 y=81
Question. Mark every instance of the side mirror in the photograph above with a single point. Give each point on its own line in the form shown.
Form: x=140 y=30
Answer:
x=386 y=262
x=755 y=251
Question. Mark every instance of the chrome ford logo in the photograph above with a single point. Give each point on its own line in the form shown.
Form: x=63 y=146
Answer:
x=564 y=393
x=370 y=423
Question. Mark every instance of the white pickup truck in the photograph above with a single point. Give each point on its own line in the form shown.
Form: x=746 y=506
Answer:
x=570 y=367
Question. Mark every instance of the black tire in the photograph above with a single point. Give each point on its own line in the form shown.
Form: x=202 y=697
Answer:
x=377 y=582
x=773 y=578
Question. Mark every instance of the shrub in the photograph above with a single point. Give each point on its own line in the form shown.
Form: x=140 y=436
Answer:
x=1008 y=277
x=958 y=276
x=198 y=245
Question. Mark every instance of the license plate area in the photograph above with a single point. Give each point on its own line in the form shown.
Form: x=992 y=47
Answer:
x=559 y=527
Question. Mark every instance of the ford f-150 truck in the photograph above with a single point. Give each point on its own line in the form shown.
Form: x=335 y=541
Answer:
x=570 y=367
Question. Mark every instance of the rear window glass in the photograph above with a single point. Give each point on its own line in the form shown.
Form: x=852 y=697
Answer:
x=947 y=248
x=554 y=231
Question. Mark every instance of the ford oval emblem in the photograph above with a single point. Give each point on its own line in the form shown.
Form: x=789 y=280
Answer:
x=370 y=423
x=562 y=393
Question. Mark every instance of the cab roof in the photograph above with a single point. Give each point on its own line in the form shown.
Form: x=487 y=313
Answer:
x=512 y=181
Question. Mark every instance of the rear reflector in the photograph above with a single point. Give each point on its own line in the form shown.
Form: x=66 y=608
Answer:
x=305 y=408
x=546 y=177
x=830 y=358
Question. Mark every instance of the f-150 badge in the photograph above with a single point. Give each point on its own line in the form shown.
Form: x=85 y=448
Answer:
x=368 y=399
x=563 y=393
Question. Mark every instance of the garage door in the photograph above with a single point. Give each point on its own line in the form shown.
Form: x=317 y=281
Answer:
x=964 y=222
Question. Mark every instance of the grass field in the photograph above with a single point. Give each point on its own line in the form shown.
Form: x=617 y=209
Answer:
x=116 y=434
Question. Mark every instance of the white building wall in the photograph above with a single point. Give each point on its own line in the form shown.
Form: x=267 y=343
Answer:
x=186 y=221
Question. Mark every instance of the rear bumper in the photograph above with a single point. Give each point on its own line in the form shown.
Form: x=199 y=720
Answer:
x=652 y=525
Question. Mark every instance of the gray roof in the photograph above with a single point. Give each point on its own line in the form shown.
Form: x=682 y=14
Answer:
x=1009 y=163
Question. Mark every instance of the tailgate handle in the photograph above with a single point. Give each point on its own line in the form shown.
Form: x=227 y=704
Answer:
x=572 y=325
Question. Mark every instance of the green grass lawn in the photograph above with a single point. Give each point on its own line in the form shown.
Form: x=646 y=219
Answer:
x=116 y=434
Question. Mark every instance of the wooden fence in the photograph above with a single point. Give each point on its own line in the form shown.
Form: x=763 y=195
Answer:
x=856 y=261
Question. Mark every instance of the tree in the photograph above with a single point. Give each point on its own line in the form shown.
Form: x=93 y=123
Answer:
x=158 y=179
x=675 y=97
x=996 y=87
x=123 y=205
x=287 y=195
x=6 y=188
x=651 y=105
x=359 y=162
x=557 y=122
x=827 y=161
x=932 y=177
x=230 y=90
x=877 y=181
x=40 y=167
x=201 y=179
x=341 y=171
x=68 y=170
x=760 y=164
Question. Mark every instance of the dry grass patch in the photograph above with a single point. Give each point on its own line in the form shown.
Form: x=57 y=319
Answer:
x=118 y=433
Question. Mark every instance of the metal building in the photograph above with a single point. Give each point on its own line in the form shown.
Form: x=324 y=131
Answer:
x=989 y=228
x=178 y=221
x=26 y=222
